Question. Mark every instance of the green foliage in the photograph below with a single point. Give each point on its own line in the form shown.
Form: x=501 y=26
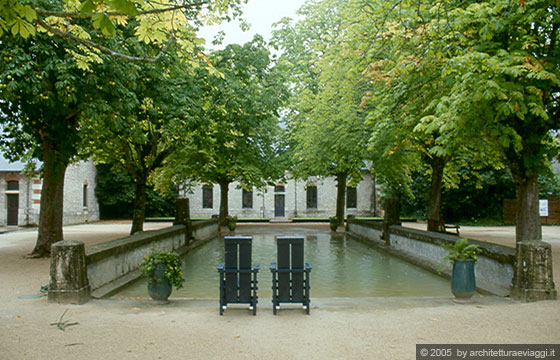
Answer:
x=42 y=96
x=231 y=222
x=475 y=197
x=80 y=22
x=478 y=197
x=136 y=118
x=115 y=194
x=459 y=82
x=42 y=92
x=172 y=262
x=326 y=135
x=234 y=132
x=549 y=185
x=461 y=250
x=333 y=223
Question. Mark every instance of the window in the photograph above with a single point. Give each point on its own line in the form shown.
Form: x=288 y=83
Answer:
x=312 y=197
x=84 y=197
x=13 y=185
x=351 y=198
x=279 y=188
x=207 y=196
x=247 y=199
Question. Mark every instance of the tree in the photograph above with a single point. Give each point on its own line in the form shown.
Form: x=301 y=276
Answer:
x=45 y=79
x=508 y=74
x=325 y=121
x=406 y=111
x=41 y=96
x=115 y=192
x=235 y=133
x=133 y=122
x=329 y=137
x=499 y=61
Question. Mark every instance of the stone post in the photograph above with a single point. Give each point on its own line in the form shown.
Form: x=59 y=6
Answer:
x=182 y=212
x=392 y=217
x=183 y=217
x=532 y=280
x=69 y=282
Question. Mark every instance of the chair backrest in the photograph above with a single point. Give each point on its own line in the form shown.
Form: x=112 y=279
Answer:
x=238 y=268
x=290 y=257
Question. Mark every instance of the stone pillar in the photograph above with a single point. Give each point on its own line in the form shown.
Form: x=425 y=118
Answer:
x=392 y=216
x=182 y=212
x=183 y=217
x=532 y=280
x=69 y=282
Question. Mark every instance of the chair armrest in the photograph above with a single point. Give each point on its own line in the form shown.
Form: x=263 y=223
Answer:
x=221 y=266
x=307 y=266
x=273 y=266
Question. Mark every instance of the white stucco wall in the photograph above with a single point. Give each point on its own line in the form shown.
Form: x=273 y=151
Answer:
x=78 y=175
x=29 y=193
x=295 y=198
x=25 y=198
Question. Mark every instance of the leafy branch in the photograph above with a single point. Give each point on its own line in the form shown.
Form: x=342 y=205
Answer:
x=102 y=48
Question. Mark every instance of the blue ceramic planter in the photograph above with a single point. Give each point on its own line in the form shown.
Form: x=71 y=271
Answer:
x=160 y=289
x=463 y=282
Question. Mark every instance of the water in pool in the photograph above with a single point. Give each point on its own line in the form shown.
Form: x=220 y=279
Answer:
x=342 y=267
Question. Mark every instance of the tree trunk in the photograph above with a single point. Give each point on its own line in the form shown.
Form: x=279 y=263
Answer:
x=533 y=274
x=52 y=200
x=527 y=224
x=224 y=189
x=373 y=197
x=340 y=197
x=434 y=206
x=139 y=211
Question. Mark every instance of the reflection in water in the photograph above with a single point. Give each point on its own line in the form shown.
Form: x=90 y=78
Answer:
x=342 y=267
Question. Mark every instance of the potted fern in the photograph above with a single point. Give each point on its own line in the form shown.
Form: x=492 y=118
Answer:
x=463 y=257
x=231 y=222
x=333 y=223
x=163 y=270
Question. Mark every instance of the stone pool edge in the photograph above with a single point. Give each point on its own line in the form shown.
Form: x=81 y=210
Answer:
x=78 y=274
x=494 y=270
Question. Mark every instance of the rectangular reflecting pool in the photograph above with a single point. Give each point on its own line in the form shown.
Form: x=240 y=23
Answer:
x=342 y=267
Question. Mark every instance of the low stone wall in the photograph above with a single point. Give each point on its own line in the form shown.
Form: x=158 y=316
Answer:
x=494 y=270
x=113 y=264
x=205 y=230
x=367 y=230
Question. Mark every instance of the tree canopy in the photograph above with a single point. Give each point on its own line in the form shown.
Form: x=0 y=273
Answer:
x=326 y=132
x=42 y=97
x=160 y=23
x=133 y=122
x=235 y=129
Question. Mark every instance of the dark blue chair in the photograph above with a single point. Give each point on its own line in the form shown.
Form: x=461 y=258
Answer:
x=238 y=281
x=290 y=275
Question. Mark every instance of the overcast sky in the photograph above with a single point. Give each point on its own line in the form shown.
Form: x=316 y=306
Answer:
x=261 y=14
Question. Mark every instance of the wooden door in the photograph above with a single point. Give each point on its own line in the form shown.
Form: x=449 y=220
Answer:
x=13 y=209
x=279 y=205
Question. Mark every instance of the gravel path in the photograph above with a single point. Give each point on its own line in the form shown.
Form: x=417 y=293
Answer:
x=363 y=328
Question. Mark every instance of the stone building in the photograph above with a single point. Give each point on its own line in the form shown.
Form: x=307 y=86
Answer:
x=315 y=197
x=20 y=196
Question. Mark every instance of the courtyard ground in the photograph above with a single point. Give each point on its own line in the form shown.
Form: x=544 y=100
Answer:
x=342 y=328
